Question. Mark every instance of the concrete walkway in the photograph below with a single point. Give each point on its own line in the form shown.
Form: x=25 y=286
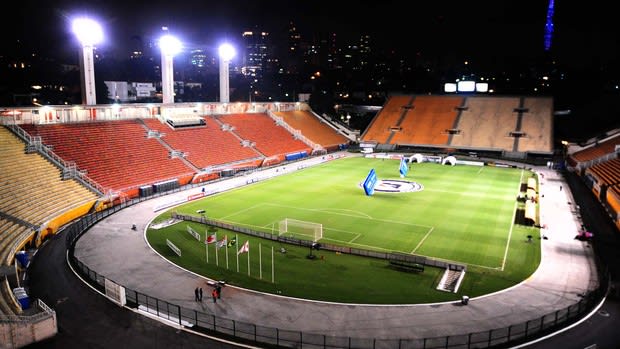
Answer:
x=567 y=271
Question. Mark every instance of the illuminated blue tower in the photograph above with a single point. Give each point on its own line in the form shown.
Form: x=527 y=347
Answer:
x=549 y=26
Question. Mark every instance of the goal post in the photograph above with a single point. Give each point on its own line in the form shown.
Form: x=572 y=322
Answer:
x=301 y=229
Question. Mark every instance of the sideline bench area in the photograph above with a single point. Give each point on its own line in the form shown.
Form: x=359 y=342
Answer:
x=406 y=265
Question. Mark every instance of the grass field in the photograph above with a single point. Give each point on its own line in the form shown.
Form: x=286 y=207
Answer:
x=463 y=214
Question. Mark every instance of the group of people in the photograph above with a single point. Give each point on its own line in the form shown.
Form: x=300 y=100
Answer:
x=216 y=294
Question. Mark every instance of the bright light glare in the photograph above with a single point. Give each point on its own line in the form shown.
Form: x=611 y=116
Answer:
x=466 y=86
x=482 y=87
x=227 y=52
x=170 y=45
x=449 y=87
x=87 y=31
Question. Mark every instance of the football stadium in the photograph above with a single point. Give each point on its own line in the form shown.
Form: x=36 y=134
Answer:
x=447 y=223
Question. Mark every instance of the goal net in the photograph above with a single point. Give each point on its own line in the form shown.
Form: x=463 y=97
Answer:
x=300 y=229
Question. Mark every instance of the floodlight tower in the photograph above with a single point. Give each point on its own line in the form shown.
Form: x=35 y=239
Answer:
x=89 y=34
x=170 y=46
x=227 y=52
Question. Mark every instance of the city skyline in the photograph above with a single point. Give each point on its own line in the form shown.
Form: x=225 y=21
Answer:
x=483 y=30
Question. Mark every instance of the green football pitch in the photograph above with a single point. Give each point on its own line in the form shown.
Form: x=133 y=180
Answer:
x=464 y=214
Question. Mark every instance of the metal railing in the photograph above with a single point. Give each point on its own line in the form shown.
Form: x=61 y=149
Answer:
x=411 y=258
x=244 y=331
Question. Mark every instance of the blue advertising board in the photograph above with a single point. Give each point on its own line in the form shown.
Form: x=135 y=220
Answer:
x=403 y=169
x=370 y=182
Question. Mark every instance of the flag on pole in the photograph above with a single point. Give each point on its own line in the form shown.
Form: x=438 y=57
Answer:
x=235 y=240
x=245 y=247
x=211 y=239
x=222 y=242
x=232 y=242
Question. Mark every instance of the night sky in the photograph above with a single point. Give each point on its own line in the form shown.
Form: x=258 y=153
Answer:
x=585 y=34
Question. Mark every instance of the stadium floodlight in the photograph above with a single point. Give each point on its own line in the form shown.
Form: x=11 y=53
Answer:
x=449 y=87
x=89 y=33
x=226 y=52
x=482 y=87
x=466 y=86
x=169 y=46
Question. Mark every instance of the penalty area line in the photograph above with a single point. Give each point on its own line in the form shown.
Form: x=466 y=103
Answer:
x=355 y=238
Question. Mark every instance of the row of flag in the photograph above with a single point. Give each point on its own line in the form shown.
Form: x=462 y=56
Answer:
x=225 y=242
x=211 y=239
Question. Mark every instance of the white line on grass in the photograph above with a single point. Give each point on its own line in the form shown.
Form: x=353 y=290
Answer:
x=372 y=247
x=347 y=215
x=512 y=224
x=357 y=235
x=329 y=210
x=355 y=238
x=480 y=170
x=361 y=245
x=422 y=241
x=236 y=213
x=243 y=224
x=474 y=194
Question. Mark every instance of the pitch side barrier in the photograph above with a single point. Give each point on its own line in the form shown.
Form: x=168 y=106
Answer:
x=500 y=337
x=255 y=333
x=389 y=256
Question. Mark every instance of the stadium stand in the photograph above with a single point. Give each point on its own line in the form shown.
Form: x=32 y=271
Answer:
x=265 y=135
x=599 y=167
x=116 y=154
x=204 y=146
x=606 y=173
x=510 y=126
x=612 y=198
x=34 y=202
x=6 y=303
x=537 y=125
x=29 y=181
x=486 y=124
x=313 y=128
x=428 y=121
x=382 y=125
x=595 y=151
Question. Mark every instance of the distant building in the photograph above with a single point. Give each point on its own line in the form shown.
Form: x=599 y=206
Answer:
x=255 y=52
x=143 y=90
x=123 y=92
x=198 y=58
